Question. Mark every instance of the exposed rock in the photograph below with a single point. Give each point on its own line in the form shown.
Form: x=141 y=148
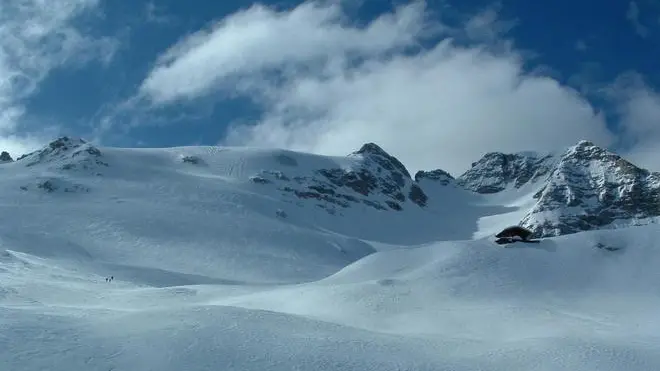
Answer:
x=69 y=153
x=602 y=246
x=590 y=188
x=383 y=158
x=582 y=189
x=5 y=157
x=277 y=174
x=362 y=181
x=417 y=195
x=378 y=180
x=195 y=160
x=52 y=185
x=496 y=171
x=393 y=205
x=385 y=173
x=265 y=176
x=440 y=176
x=47 y=185
x=259 y=180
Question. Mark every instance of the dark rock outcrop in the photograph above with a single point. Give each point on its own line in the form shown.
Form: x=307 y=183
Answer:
x=5 y=157
x=440 y=176
x=384 y=159
x=55 y=184
x=417 y=195
x=194 y=160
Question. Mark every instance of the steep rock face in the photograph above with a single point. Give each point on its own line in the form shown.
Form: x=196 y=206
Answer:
x=437 y=176
x=592 y=188
x=377 y=180
x=496 y=171
x=67 y=154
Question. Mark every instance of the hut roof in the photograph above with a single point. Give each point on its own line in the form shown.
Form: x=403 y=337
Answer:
x=514 y=230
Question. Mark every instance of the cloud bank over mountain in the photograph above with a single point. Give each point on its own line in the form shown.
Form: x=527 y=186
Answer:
x=327 y=84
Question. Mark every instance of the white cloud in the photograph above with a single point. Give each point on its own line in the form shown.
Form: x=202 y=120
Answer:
x=444 y=108
x=639 y=110
x=632 y=15
x=441 y=106
x=36 y=37
x=260 y=38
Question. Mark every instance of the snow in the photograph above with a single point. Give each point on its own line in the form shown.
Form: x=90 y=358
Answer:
x=209 y=277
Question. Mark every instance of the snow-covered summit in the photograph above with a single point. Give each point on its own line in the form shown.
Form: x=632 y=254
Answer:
x=591 y=188
x=66 y=153
x=369 y=176
x=584 y=187
x=384 y=159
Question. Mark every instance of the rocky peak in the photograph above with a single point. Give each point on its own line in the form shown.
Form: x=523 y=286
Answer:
x=384 y=159
x=584 y=143
x=374 y=178
x=66 y=143
x=591 y=188
x=5 y=157
x=495 y=171
x=64 y=150
x=438 y=176
x=586 y=150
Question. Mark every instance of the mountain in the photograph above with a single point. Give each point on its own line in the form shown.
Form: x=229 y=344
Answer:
x=372 y=177
x=437 y=176
x=264 y=259
x=189 y=191
x=585 y=187
x=591 y=188
x=496 y=171
x=582 y=188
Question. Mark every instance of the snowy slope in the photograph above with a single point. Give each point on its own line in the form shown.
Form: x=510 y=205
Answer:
x=218 y=266
x=215 y=214
x=564 y=305
x=132 y=210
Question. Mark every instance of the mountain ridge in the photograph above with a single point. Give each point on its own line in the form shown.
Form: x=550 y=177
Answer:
x=584 y=187
x=210 y=255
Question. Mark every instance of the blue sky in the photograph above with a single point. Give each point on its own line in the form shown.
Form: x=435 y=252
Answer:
x=436 y=83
